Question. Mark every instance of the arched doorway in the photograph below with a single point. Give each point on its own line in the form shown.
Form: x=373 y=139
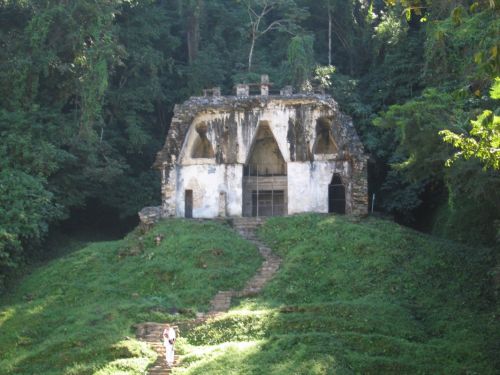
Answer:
x=336 y=195
x=265 y=176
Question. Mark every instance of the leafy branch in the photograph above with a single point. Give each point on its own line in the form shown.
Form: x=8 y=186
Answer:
x=483 y=141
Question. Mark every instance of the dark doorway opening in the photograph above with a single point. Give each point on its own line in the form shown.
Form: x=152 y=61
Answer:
x=265 y=176
x=268 y=203
x=188 y=204
x=336 y=195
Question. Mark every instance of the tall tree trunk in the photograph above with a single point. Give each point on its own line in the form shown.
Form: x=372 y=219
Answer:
x=192 y=44
x=250 y=54
x=329 y=35
x=193 y=30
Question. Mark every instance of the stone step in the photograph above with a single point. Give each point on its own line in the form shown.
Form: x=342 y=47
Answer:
x=151 y=332
x=155 y=345
x=153 y=338
x=254 y=219
x=239 y=222
x=246 y=227
x=247 y=224
x=252 y=239
x=160 y=371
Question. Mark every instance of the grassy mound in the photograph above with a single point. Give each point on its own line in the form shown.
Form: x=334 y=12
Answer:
x=74 y=315
x=358 y=298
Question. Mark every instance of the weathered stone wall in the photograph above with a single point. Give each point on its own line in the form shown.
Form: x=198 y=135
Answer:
x=207 y=182
x=360 y=187
x=229 y=126
x=308 y=185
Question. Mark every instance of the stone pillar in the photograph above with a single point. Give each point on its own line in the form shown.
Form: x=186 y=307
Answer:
x=242 y=90
x=264 y=90
x=264 y=85
x=168 y=190
x=213 y=92
x=360 y=186
x=150 y=215
x=286 y=91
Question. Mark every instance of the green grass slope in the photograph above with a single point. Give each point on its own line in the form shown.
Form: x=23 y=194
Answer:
x=75 y=314
x=357 y=298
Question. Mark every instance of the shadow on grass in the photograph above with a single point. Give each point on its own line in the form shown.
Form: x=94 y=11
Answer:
x=357 y=297
x=75 y=314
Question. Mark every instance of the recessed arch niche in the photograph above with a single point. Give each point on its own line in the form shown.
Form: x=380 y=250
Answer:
x=265 y=185
x=202 y=147
x=324 y=144
x=265 y=157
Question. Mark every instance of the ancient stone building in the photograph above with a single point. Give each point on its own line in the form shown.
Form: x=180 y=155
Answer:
x=261 y=155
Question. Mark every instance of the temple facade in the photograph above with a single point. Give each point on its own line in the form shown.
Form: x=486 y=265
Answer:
x=261 y=155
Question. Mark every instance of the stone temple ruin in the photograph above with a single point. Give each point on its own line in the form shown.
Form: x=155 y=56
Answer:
x=260 y=155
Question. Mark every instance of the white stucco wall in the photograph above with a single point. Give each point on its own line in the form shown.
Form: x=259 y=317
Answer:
x=276 y=114
x=307 y=182
x=207 y=182
x=308 y=185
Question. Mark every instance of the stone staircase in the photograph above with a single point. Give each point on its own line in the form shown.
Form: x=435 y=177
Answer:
x=246 y=227
x=152 y=333
x=220 y=304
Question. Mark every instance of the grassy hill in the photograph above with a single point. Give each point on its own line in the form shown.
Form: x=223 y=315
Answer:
x=358 y=298
x=366 y=297
x=75 y=315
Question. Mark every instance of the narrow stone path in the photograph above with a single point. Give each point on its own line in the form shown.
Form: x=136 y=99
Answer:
x=246 y=227
x=152 y=332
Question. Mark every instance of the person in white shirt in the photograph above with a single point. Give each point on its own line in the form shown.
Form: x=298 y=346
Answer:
x=169 y=341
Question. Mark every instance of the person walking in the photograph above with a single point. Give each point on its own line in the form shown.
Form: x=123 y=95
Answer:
x=169 y=341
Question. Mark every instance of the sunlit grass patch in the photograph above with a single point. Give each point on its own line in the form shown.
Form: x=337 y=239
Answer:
x=359 y=297
x=351 y=297
x=218 y=359
x=74 y=314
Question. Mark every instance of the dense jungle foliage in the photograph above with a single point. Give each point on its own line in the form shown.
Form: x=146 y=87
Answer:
x=87 y=90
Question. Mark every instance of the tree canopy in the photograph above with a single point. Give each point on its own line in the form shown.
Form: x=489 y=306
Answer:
x=87 y=90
